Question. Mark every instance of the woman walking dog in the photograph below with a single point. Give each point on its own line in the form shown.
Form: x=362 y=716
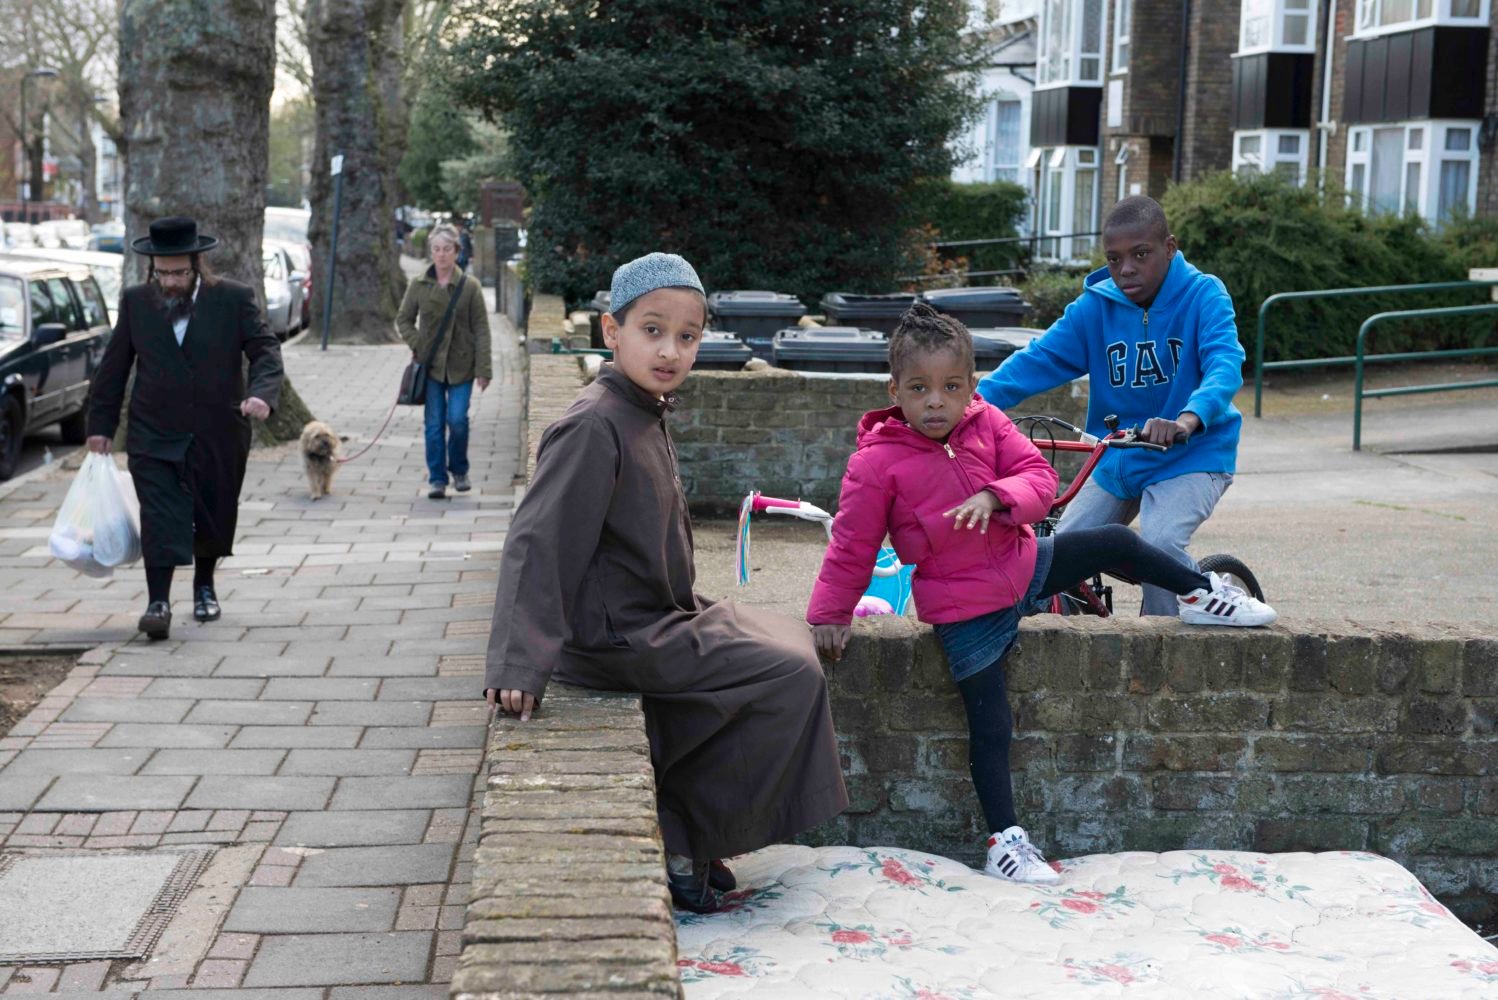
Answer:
x=458 y=350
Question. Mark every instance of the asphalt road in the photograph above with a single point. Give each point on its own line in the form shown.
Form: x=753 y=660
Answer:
x=35 y=448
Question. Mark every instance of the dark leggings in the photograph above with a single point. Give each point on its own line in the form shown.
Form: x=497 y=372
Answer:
x=1075 y=556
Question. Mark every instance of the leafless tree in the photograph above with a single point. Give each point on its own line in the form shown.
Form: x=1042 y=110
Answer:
x=79 y=40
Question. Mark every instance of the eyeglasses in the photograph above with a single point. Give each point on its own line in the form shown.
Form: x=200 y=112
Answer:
x=175 y=272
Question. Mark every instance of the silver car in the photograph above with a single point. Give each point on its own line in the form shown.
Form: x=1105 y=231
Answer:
x=283 y=303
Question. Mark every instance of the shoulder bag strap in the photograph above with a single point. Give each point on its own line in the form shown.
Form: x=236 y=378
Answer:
x=460 y=282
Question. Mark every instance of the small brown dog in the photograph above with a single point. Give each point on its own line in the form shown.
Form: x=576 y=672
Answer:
x=319 y=457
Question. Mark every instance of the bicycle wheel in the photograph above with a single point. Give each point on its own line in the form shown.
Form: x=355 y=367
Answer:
x=1234 y=570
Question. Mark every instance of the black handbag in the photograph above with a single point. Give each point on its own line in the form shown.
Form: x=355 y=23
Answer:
x=414 y=378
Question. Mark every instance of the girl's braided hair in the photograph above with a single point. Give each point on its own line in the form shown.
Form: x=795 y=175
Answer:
x=922 y=329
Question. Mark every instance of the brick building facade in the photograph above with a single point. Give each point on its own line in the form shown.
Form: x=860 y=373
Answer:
x=1405 y=116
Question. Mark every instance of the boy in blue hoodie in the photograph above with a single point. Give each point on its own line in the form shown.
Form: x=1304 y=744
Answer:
x=1158 y=341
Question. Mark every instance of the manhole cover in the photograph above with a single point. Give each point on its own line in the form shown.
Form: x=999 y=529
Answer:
x=72 y=907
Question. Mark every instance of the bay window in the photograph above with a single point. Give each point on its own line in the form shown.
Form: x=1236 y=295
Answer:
x=1277 y=26
x=1066 y=182
x=1428 y=168
x=1070 y=47
x=1273 y=151
x=1381 y=16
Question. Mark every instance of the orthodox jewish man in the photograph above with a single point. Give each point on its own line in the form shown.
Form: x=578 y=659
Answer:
x=185 y=332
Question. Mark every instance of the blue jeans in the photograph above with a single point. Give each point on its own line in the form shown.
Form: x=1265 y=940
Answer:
x=447 y=429
x=1169 y=513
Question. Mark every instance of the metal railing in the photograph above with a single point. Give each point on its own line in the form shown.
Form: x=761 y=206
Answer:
x=1261 y=366
x=1359 y=393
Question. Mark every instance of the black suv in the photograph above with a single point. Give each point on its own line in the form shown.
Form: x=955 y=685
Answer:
x=54 y=325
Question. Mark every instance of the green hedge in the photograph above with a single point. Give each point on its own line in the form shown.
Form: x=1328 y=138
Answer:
x=953 y=211
x=1261 y=235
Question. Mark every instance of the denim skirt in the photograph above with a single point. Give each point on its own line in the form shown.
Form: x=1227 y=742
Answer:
x=974 y=644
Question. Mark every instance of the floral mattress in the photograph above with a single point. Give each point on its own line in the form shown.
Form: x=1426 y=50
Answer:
x=882 y=923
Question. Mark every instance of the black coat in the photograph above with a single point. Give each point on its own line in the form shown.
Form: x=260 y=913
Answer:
x=184 y=408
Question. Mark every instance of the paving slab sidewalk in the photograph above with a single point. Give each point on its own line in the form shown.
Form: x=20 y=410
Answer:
x=326 y=734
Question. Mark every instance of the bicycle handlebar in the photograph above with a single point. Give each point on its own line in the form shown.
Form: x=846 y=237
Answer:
x=763 y=503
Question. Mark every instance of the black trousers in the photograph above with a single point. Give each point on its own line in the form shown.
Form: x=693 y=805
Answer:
x=180 y=517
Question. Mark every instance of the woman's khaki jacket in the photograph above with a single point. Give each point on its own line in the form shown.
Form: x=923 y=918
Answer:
x=464 y=353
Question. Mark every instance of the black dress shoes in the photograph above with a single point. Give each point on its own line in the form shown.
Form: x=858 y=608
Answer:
x=720 y=877
x=692 y=892
x=205 y=605
x=156 y=623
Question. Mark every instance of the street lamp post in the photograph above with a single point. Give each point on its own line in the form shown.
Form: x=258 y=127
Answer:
x=34 y=185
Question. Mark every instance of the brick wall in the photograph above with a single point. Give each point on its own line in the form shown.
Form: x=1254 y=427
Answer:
x=789 y=434
x=569 y=882
x=1207 y=142
x=1144 y=734
x=1487 y=169
x=1336 y=145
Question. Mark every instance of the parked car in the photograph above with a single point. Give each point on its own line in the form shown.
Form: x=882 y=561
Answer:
x=63 y=234
x=54 y=326
x=292 y=226
x=107 y=269
x=283 y=307
x=107 y=237
x=19 y=234
x=301 y=274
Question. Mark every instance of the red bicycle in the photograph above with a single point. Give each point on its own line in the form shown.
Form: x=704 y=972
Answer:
x=1095 y=597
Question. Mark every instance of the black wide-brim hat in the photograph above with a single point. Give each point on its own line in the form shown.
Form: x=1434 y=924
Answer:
x=173 y=237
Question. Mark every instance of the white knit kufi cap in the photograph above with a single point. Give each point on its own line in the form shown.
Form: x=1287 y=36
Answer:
x=645 y=274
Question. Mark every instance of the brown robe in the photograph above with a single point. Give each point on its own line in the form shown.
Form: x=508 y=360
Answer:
x=596 y=581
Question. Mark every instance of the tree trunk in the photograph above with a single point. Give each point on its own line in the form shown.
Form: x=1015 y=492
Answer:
x=356 y=48
x=195 y=85
x=88 y=158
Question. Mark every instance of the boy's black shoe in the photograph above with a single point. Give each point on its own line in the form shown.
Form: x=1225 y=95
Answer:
x=692 y=892
x=156 y=623
x=720 y=877
x=205 y=605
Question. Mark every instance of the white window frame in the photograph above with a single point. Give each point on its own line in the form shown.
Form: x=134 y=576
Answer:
x=1269 y=159
x=1123 y=20
x=993 y=166
x=1368 y=13
x=1278 y=13
x=1424 y=146
x=1063 y=67
x=1063 y=164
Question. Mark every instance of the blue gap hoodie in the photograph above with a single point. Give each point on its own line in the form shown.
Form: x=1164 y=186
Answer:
x=1182 y=353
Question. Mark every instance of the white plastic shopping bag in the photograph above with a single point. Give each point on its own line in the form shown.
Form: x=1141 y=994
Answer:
x=98 y=527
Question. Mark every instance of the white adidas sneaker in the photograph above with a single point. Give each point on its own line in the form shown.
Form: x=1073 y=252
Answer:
x=1224 y=604
x=1013 y=858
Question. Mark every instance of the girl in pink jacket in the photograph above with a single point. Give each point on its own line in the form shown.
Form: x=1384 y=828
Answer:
x=929 y=470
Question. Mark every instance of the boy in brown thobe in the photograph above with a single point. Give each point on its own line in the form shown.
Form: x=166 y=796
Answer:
x=596 y=583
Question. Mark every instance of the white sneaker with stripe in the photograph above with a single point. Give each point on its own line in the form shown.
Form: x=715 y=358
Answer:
x=1012 y=857
x=1224 y=604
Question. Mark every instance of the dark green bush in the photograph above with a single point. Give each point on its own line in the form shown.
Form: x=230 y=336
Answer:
x=1261 y=235
x=773 y=144
x=1049 y=292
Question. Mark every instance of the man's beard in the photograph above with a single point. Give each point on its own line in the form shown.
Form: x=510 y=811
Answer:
x=176 y=307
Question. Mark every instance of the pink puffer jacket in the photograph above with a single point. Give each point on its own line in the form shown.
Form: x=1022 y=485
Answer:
x=900 y=482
